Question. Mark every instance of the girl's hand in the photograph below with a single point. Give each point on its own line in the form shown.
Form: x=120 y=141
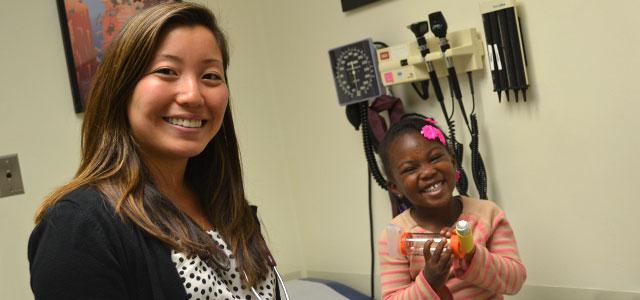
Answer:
x=447 y=232
x=436 y=265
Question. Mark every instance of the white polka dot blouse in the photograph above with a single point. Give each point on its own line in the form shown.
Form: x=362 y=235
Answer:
x=205 y=283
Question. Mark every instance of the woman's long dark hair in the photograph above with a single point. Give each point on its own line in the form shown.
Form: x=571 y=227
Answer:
x=111 y=159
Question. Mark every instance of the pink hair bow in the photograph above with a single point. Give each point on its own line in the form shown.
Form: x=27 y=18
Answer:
x=432 y=133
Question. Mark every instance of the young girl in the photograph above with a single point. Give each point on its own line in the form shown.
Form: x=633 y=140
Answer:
x=157 y=208
x=421 y=171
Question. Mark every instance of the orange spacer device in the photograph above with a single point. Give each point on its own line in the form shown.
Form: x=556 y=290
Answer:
x=412 y=243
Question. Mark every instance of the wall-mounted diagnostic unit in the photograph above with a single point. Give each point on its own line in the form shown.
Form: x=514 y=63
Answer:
x=405 y=63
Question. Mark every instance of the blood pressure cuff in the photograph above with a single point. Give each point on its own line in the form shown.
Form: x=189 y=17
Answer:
x=377 y=123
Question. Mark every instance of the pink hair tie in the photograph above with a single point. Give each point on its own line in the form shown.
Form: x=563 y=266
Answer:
x=432 y=133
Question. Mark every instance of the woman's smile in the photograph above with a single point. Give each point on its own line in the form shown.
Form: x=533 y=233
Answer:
x=186 y=123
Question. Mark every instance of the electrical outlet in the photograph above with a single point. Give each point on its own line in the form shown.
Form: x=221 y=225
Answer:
x=10 y=178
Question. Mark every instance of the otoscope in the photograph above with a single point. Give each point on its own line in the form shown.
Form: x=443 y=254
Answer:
x=439 y=29
x=419 y=29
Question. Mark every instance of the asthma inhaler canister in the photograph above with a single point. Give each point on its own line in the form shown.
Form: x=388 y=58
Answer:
x=462 y=240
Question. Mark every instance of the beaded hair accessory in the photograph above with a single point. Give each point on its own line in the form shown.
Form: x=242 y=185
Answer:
x=432 y=133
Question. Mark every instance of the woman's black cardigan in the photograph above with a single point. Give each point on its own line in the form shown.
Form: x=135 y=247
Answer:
x=82 y=250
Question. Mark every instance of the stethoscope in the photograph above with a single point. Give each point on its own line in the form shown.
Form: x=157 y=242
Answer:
x=272 y=263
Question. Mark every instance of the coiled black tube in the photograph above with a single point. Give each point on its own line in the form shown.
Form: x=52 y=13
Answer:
x=477 y=164
x=368 y=147
x=457 y=149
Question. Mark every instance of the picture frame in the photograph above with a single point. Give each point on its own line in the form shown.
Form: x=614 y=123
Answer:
x=348 y=5
x=88 y=26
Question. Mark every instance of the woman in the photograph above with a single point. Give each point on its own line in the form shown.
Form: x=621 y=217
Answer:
x=157 y=208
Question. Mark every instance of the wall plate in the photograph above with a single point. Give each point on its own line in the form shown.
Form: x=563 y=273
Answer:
x=10 y=177
x=404 y=63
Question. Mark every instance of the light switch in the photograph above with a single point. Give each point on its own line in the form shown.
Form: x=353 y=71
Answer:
x=10 y=177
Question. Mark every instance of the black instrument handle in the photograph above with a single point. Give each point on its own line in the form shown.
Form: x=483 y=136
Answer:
x=490 y=54
x=436 y=85
x=506 y=49
x=499 y=55
x=453 y=81
x=514 y=39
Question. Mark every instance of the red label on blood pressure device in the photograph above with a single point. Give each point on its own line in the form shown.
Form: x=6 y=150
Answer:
x=388 y=77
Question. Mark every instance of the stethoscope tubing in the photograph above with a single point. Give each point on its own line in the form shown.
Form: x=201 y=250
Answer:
x=278 y=281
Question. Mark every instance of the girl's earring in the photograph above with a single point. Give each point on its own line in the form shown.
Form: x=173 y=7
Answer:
x=457 y=176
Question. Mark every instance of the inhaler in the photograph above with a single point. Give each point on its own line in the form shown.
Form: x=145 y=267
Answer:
x=402 y=243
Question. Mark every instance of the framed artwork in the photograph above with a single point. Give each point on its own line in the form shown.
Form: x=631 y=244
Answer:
x=348 y=5
x=88 y=26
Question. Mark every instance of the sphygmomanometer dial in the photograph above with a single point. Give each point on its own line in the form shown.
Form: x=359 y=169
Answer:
x=355 y=72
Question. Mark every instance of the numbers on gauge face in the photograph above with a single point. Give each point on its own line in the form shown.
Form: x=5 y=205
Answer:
x=355 y=72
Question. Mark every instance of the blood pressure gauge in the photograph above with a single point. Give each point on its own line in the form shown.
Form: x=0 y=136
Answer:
x=355 y=72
